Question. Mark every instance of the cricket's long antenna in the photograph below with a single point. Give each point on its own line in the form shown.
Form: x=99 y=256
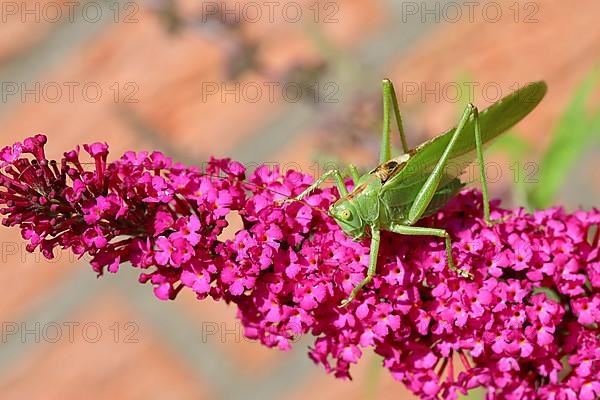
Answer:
x=262 y=187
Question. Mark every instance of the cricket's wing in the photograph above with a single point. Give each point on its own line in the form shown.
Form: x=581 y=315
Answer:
x=494 y=120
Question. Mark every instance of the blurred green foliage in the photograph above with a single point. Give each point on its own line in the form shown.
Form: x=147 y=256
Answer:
x=576 y=128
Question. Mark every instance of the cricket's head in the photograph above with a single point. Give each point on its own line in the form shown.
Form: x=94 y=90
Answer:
x=347 y=217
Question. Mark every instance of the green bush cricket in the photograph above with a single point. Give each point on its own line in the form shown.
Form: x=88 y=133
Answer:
x=395 y=195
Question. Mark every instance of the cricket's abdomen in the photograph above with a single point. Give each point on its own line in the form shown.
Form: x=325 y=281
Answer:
x=442 y=196
x=395 y=205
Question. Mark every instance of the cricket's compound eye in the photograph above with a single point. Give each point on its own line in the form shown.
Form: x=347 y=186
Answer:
x=346 y=215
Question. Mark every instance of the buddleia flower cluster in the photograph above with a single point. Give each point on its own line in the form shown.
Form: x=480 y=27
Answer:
x=526 y=326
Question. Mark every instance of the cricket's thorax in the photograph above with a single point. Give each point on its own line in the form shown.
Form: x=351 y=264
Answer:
x=390 y=168
x=365 y=199
x=369 y=200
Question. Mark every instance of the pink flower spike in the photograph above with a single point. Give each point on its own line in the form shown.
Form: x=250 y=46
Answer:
x=532 y=305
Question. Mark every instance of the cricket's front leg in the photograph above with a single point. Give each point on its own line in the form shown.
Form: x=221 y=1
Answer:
x=375 y=240
x=418 y=231
x=339 y=184
x=390 y=100
x=354 y=174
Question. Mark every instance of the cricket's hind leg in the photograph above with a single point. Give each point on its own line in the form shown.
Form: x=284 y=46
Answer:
x=431 y=185
x=479 y=150
x=390 y=99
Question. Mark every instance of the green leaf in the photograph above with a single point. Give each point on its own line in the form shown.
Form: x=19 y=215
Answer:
x=551 y=294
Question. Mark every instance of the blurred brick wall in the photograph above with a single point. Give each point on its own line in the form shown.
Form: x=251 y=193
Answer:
x=152 y=70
